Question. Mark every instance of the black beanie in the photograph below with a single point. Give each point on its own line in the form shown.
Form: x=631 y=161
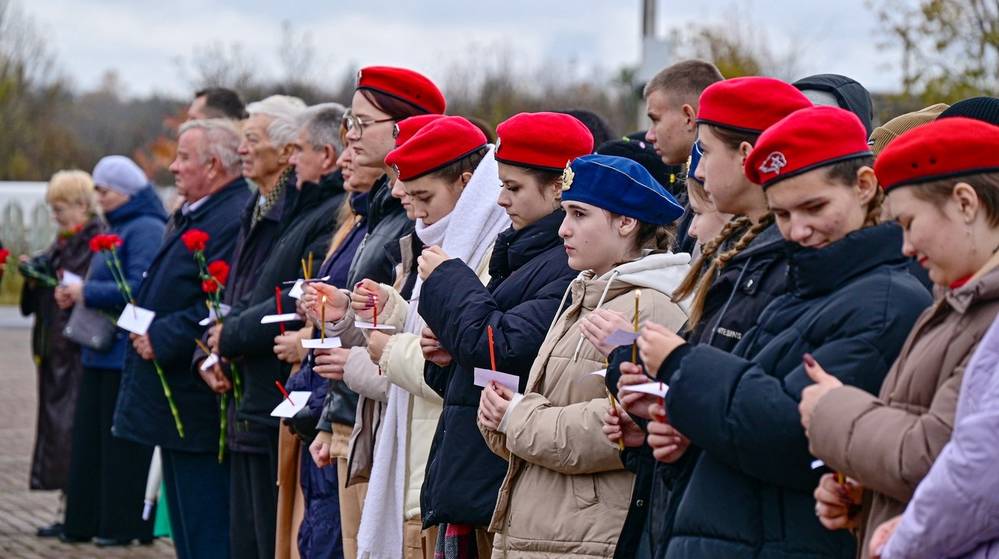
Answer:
x=985 y=109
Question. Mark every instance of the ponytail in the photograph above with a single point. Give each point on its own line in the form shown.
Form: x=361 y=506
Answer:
x=706 y=279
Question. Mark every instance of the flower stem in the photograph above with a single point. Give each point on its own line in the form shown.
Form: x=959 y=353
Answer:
x=223 y=424
x=169 y=396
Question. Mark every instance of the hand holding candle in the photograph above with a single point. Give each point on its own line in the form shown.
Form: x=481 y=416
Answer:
x=655 y=343
x=336 y=305
x=810 y=396
x=837 y=502
x=367 y=299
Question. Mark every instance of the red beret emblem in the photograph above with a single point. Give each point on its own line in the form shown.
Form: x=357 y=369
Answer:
x=773 y=163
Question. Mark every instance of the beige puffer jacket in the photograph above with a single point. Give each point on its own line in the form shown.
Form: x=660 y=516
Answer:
x=566 y=493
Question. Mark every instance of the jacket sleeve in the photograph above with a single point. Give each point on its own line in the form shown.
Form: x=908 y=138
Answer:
x=141 y=243
x=458 y=309
x=402 y=362
x=362 y=376
x=956 y=507
x=566 y=439
x=243 y=334
x=890 y=449
x=495 y=440
x=350 y=335
x=747 y=418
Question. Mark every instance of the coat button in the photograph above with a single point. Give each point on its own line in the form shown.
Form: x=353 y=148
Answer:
x=144 y=274
x=749 y=284
x=640 y=503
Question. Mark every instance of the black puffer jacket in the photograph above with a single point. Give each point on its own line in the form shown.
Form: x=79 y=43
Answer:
x=850 y=304
x=743 y=288
x=529 y=273
x=306 y=227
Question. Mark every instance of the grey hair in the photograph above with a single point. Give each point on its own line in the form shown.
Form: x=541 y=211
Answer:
x=322 y=123
x=284 y=111
x=221 y=140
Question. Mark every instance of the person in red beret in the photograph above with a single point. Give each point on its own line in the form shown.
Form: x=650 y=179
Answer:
x=848 y=307
x=404 y=130
x=384 y=96
x=528 y=273
x=448 y=172
x=739 y=271
x=942 y=181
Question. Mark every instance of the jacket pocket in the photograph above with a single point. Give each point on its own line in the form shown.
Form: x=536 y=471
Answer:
x=584 y=489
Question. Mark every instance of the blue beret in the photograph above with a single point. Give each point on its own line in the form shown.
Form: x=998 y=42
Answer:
x=621 y=186
x=693 y=161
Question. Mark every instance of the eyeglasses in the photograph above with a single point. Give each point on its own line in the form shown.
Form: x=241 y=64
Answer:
x=354 y=123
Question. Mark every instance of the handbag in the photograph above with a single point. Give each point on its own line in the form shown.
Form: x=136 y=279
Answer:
x=90 y=328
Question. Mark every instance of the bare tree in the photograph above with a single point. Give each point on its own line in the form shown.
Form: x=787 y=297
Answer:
x=949 y=48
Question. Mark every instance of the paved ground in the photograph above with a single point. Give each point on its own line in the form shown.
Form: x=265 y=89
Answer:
x=23 y=511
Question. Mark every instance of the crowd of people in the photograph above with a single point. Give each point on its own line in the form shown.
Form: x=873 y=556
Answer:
x=762 y=328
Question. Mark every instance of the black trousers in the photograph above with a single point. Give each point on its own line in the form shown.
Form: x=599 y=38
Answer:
x=253 y=501
x=107 y=475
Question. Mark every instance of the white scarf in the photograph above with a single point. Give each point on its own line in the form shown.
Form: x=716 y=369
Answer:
x=467 y=233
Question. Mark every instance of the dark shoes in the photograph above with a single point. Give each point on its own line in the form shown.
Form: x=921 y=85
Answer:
x=66 y=538
x=51 y=531
x=119 y=542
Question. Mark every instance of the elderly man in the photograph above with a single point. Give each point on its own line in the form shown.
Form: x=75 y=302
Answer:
x=207 y=176
x=304 y=225
x=216 y=102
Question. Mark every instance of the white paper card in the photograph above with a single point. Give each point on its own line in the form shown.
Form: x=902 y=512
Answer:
x=136 y=319
x=484 y=376
x=286 y=317
x=816 y=464
x=621 y=337
x=211 y=314
x=316 y=343
x=292 y=404
x=600 y=373
x=69 y=278
x=296 y=290
x=658 y=389
x=370 y=326
x=209 y=362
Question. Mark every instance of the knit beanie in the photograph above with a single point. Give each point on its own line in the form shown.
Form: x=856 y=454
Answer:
x=121 y=174
x=985 y=109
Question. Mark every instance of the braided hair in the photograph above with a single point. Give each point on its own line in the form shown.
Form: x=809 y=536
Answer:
x=704 y=279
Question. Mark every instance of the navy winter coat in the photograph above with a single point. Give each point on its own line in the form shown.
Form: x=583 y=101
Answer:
x=851 y=304
x=140 y=224
x=529 y=274
x=172 y=288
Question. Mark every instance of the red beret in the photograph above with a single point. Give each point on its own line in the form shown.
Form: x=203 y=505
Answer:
x=542 y=140
x=436 y=146
x=407 y=127
x=405 y=85
x=804 y=140
x=949 y=147
x=750 y=104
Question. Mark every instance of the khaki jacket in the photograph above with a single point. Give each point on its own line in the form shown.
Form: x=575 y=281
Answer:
x=888 y=442
x=566 y=493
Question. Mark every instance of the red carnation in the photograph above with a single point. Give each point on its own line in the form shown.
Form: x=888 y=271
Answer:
x=100 y=243
x=195 y=240
x=219 y=270
x=209 y=286
x=4 y=253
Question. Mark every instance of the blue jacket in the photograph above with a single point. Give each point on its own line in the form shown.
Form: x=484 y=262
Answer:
x=172 y=288
x=850 y=304
x=140 y=224
x=529 y=274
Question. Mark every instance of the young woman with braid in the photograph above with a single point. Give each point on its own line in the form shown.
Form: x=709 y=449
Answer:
x=737 y=274
x=849 y=301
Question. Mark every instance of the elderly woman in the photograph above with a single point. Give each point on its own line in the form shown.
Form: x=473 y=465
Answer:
x=107 y=475
x=70 y=195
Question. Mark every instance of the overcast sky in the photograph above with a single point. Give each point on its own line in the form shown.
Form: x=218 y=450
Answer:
x=142 y=40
